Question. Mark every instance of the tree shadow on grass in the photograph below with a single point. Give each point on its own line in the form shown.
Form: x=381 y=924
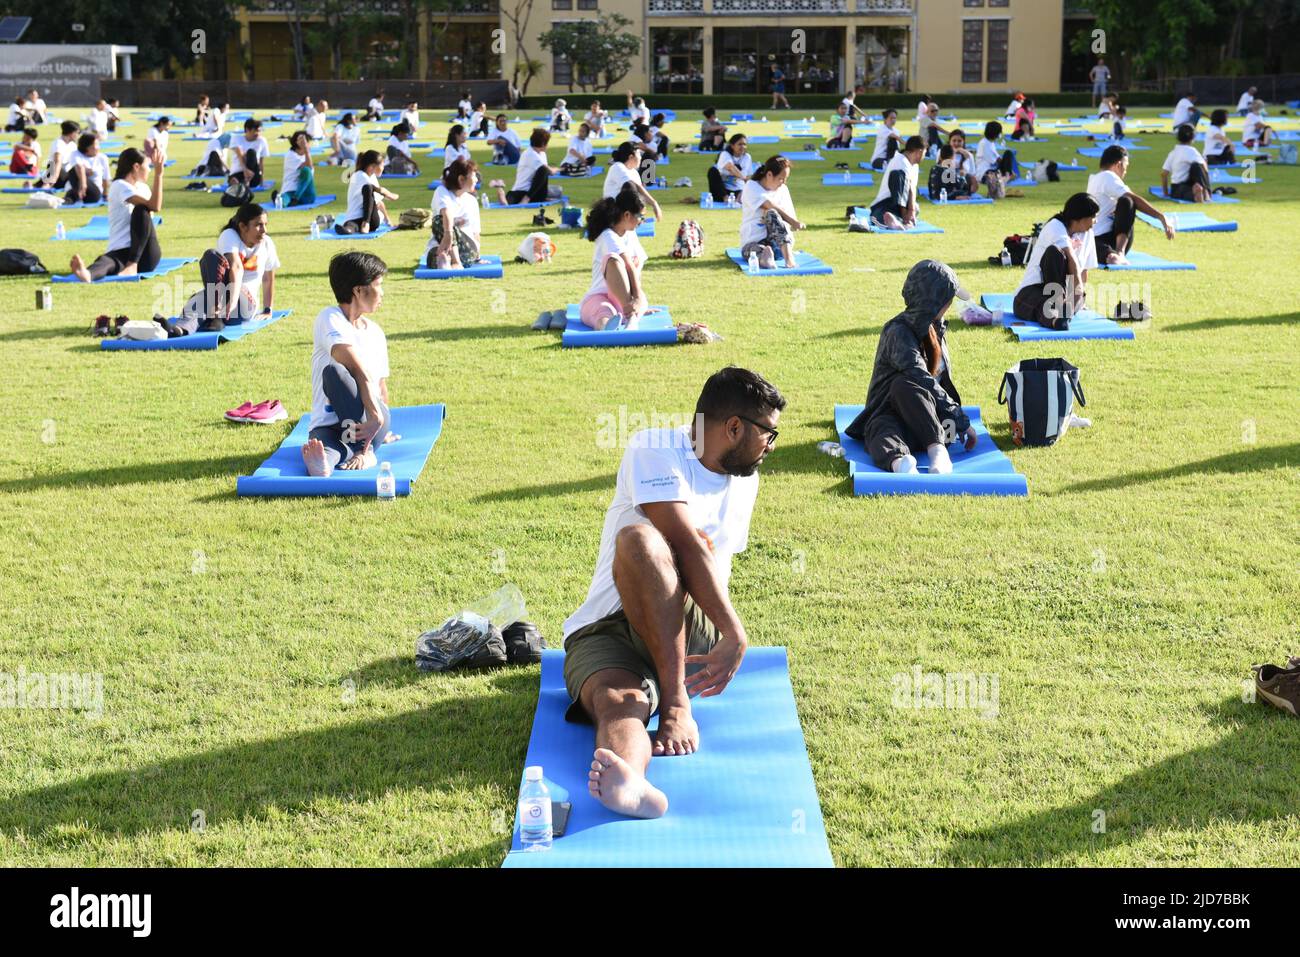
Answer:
x=464 y=333
x=604 y=482
x=458 y=743
x=1246 y=776
x=1255 y=459
x=398 y=671
x=47 y=332
x=1224 y=322
x=139 y=473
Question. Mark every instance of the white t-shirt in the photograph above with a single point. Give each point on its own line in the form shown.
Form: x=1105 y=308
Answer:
x=411 y=118
x=16 y=115
x=911 y=170
x=475 y=122
x=965 y=163
x=1252 y=127
x=402 y=146
x=349 y=136
x=637 y=114
x=610 y=243
x=293 y=164
x=215 y=121
x=63 y=150
x=158 y=136
x=1216 y=141
x=595 y=120
x=510 y=136
x=98 y=120
x=214 y=149
x=241 y=145
x=356 y=205
x=333 y=329
x=453 y=153
x=883 y=136
x=986 y=156
x=1247 y=98
x=617 y=176
x=1084 y=246
x=922 y=109
x=559 y=113
x=660 y=466
x=257 y=261
x=745 y=163
x=119 y=211
x=316 y=126
x=752 y=198
x=580 y=150
x=97 y=171
x=1107 y=189
x=1183 y=111
x=464 y=210
x=464 y=106
x=530 y=161
x=376 y=104
x=1180 y=161
x=1012 y=107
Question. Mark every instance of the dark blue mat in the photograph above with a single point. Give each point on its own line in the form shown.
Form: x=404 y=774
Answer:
x=488 y=267
x=284 y=473
x=746 y=799
x=195 y=340
x=1086 y=325
x=656 y=328
x=805 y=264
x=985 y=470
x=164 y=267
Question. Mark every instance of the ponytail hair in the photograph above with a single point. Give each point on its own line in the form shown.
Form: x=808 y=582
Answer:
x=243 y=216
x=1079 y=206
x=452 y=133
x=368 y=158
x=451 y=176
x=772 y=166
x=126 y=161
x=606 y=212
x=932 y=349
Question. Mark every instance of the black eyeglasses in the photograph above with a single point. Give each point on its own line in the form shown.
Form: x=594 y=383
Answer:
x=771 y=432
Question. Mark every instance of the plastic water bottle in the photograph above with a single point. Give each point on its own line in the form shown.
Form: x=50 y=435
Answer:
x=534 y=812
x=315 y=229
x=833 y=449
x=1006 y=257
x=943 y=197
x=708 y=200
x=847 y=178
x=59 y=231
x=764 y=119
x=279 y=200
x=753 y=264
x=483 y=199
x=385 y=484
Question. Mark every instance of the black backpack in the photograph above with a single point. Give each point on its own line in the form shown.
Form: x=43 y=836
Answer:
x=237 y=194
x=19 y=262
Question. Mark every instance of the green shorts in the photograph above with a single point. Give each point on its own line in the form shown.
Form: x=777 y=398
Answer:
x=611 y=643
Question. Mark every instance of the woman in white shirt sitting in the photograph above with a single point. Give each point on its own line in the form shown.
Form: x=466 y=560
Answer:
x=238 y=275
x=375 y=108
x=637 y=111
x=615 y=296
x=622 y=171
x=298 y=184
x=1218 y=148
x=560 y=117
x=580 y=154
x=132 y=242
x=768 y=221
x=1255 y=133
x=532 y=175
x=1185 y=174
x=1055 y=285
x=366 y=210
x=456 y=225
x=400 y=160
x=411 y=116
x=992 y=169
x=595 y=118
x=734 y=166
x=345 y=141
x=478 y=121
x=455 y=148
x=88 y=173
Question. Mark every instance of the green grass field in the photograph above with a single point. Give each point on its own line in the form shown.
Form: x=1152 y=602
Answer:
x=257 y=655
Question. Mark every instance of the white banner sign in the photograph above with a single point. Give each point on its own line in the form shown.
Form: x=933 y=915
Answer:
x=65 y=74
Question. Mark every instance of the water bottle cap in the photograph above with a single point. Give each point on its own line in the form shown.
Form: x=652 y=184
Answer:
x=386 y=466
x=533 y=773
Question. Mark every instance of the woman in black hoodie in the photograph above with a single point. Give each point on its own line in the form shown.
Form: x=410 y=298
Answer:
x=911 y=402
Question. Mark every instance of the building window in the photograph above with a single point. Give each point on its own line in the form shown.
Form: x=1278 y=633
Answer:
x=678 y=59
x=561 y=69
x=972 y=51
x=880 y=65
x=999 y=3
x=973 y=3
x=561 y=4
x=588 y=4
x=999 y=34
x=745 y=60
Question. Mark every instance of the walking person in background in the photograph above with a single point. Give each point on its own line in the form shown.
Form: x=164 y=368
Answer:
x=778 y=87
x=1100 y=77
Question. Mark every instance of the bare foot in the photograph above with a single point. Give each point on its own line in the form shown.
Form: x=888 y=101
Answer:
x=313 y=456
x=365 y=460
x=678 y=733
x=621 y=788
x=391 y=437
x=78 y=268
x=891 y=221
x=130 y=269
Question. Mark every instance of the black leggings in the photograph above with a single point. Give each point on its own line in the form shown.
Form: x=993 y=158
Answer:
x=252 y=165
x=718 y=186
x=1226 y=158
x=90 y=195
x=908 y=423
x=899 y=199
x=1051 y=302
x=1196 y=174
x=214 y=167
x=369 y=214
x=144 y=250
x=1125 y=218
x=536 y=192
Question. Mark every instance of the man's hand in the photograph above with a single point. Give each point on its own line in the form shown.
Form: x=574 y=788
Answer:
x=1169 y=227
x=720 y=666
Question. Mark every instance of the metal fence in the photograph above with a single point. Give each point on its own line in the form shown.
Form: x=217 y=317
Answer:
x=1273 y=87
x=282 y=94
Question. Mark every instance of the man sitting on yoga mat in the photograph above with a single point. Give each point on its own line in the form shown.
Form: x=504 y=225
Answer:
x=895 y=205
x=1118 y=208
x=1185 y=174
x=1055 y=286
x=911 y=401
x=658 y=624
x=349 y=371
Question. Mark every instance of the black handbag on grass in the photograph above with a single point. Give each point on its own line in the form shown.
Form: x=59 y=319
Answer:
x=1039 y=395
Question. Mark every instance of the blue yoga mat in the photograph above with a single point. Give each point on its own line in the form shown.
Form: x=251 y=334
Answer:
x=718 y=206
x=398 y=175
x=1145 y=262
x=985 y=470
x=195 y=340
x=854 y=179
x=746 y=799
x=324 y=200
x=1095 y=152
x=1193 y=223
x=265 y=187
x=921 y=226
x=742 y=117
x=550 y=202
x=763 y=140
x=1159 y=193
x=96 y=229
x=1086 y=325
x=591 y=171
x=164 y=267
x=8 y=175
x=1217 y=177
x=975 y=200
x=656 y=328
x=863 y=164
x=805 y=264
x=284 y=473
x=804 y=156
x=1022 y=182
x=488 y=267
x=331 y=233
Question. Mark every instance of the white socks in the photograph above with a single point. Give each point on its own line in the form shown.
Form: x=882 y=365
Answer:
x=906 y=465
x=940 y=464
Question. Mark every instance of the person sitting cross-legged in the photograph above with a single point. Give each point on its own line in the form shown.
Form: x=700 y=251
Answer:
x=1118 y=207
x=658 y=625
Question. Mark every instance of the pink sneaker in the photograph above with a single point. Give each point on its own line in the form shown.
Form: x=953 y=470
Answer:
x=240 y=414
x=265 y=413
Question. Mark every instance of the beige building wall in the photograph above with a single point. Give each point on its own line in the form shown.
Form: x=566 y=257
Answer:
x=1033 y=49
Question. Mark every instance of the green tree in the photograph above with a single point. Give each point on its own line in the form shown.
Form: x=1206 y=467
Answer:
x=1153 y=35
x=595 y=49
